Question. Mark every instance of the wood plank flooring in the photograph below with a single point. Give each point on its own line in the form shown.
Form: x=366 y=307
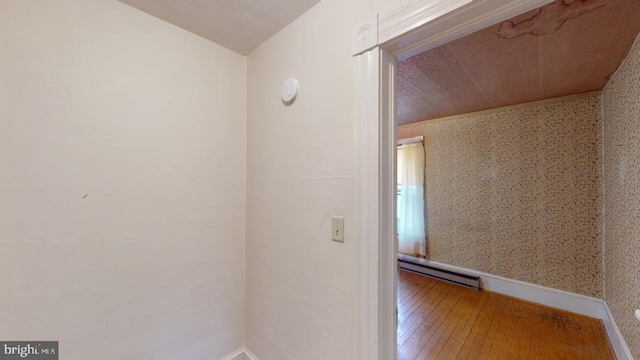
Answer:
x=438 y=320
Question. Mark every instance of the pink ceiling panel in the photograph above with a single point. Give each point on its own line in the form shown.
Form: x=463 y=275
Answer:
x=566 y=47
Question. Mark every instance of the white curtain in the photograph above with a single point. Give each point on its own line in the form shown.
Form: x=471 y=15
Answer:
x=410 y=216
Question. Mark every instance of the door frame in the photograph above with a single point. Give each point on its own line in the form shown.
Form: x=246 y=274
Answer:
x=403 y=31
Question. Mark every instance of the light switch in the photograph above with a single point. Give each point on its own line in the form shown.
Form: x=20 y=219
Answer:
x=337 y=229
x=637 y=314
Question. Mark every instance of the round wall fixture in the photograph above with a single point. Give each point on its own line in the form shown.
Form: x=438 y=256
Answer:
x=289 y=91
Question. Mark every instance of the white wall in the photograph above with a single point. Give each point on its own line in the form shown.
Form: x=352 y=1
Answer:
x=122 y=183
x=301 y=168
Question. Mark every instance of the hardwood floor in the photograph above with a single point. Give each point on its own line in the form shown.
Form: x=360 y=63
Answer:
x=438 y=320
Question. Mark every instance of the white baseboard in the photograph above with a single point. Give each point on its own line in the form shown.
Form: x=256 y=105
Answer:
x=241 y=351
x=234 y=354
x=252 y=356
x=615 y=336
x=559 y=299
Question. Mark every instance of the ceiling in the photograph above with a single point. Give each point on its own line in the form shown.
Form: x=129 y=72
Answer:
x=239 y=25
x=560 y=49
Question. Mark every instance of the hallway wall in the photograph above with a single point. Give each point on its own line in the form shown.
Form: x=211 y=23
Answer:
x=122 y=184
x=301 y=168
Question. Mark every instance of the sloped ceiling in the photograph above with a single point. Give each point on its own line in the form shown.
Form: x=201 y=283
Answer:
x=239 y=25
x=563 y=48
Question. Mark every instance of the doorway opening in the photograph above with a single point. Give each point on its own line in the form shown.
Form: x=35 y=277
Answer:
x=508 y=121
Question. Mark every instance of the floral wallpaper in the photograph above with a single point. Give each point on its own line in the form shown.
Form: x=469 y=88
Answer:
x=621 y=113
x=517 y=193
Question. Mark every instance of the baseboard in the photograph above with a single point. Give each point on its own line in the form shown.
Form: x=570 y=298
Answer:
x=234 y=354
x=618 y=343
x=242 y=351
x=249 y=354
x=559 y=299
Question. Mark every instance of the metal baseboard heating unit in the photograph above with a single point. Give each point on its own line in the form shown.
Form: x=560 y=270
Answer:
x=421 y=267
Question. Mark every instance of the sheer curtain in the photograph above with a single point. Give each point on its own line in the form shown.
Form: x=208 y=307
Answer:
x=411 y=233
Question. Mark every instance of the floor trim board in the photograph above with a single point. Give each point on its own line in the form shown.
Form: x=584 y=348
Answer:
x=618 y=343
x=242 y=351
x=234 y=354
x=559 y=299
x=249 y=354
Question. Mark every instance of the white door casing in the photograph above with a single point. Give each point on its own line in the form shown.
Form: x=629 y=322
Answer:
x=412 y=28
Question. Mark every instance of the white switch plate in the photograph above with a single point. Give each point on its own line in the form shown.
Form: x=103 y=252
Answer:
x=337 y=229
x=638 y=314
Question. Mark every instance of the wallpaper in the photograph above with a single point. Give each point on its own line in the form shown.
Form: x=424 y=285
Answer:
x=517 y=193
x=621 y=113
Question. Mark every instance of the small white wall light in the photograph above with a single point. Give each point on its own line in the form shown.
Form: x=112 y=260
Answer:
x=289 y=91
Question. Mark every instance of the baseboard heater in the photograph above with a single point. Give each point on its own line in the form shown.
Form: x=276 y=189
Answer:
x=417 y=266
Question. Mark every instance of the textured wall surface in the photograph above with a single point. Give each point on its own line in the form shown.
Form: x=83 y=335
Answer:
x=621 y=116
x=122 y=184
x=516 y=193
